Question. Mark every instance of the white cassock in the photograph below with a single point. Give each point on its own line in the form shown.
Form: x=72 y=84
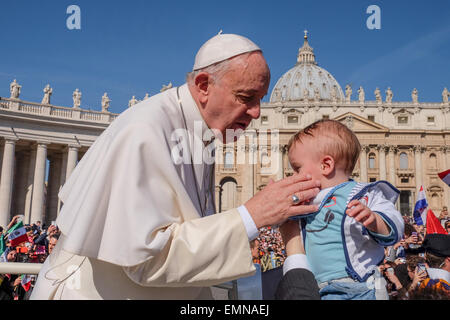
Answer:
x=132 y=225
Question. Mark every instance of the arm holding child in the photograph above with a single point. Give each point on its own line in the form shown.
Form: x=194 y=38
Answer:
x=298 y=282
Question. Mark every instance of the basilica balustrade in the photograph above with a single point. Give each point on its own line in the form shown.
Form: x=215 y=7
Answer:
x=51 y=111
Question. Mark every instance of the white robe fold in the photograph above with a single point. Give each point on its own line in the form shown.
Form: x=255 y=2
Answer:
x=129 y=209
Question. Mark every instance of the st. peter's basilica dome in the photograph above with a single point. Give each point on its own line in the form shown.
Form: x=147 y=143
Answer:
x=307 y=81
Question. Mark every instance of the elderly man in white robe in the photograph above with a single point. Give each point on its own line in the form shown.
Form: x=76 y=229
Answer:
x=138 y=218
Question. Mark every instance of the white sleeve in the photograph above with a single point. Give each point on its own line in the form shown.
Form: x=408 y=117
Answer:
x=250 y=226
x=296 y=261
x=386 y=209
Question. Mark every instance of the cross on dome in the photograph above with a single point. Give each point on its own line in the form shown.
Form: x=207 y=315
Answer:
x=306 y=53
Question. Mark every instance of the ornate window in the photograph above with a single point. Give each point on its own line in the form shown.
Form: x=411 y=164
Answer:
x=265 y=160
x=404 y=161
x=228 y=194
x=292 y=119
x=402 y=119
x=435 y=203
x=403 y=116
x=371 y=161
x=432 y=163
x=264 y=120
x=229 y=160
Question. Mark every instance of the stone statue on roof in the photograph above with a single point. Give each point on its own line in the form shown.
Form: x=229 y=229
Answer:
x=47 y=93
x=14 y=88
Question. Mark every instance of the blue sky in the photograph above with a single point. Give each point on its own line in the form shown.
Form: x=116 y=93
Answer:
x=133 y=47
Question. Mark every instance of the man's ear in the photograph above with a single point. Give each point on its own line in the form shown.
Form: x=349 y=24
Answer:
x=327 y=165
x=201 y=82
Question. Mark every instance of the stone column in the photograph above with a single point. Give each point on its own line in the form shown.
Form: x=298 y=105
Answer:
x=251 y=149
x=29 y=187
x=53 y=187
x=37 y=204
x=72 y=158
x=280 y=171
x=445 y=151
x=363 y=162
x=2 y=149
x=382 y=161
x=391 y=156
x=447 y=156
x=6 y=184
x=20 y=182
x=62 y=179
x=447 y=189
x=418 y=166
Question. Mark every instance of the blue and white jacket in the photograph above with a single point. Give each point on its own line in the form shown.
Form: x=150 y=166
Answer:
x=363 y=252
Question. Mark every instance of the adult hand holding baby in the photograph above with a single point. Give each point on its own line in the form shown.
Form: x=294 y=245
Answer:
x=274 y=204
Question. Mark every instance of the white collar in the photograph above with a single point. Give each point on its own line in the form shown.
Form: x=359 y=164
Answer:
x=436 y=274
x=321 y=195
x=194 y=120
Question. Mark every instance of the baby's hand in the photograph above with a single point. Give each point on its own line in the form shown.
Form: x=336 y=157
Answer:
x=361 y=213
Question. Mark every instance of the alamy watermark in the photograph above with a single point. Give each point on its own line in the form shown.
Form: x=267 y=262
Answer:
x=249 y=147
x=374 y=20
x=73 y=22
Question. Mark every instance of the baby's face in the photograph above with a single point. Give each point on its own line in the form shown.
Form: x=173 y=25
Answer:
x=305 y=158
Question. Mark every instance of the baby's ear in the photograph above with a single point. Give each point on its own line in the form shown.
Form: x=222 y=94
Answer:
x=327 y=165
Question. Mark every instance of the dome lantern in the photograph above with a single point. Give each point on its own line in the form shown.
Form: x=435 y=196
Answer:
x=306 y=53
x=307 y=77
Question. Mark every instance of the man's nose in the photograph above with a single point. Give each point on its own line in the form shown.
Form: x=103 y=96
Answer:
x=254 y=111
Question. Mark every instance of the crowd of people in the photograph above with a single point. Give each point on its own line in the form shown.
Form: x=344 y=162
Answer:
x=36 y=243
x=270 y=251
x=402 y=268
x=405 y=266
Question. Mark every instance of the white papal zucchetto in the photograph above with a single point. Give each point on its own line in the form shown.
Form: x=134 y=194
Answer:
x=222 y=47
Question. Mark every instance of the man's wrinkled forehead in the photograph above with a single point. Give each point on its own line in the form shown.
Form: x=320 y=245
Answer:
x=251 y=74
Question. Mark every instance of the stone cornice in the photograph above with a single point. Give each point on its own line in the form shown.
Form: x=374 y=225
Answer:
x=20 y=108
x=366 y=104
x=392 y=149
x=419 y=148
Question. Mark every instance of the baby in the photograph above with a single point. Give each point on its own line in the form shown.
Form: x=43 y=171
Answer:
x=344 y=240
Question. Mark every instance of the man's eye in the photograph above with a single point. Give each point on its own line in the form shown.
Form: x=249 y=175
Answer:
x=245 y=99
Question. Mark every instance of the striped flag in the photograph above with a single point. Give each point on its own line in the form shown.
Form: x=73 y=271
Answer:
x=3 y=250
x=445 y=176
x=420 y=212
x=18 y=225
x=26 y=282
x=18 y=236
x=433 y=224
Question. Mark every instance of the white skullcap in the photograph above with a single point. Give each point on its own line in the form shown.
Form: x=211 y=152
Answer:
x=222 y=47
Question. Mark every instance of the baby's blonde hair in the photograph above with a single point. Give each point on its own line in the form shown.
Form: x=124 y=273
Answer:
x=338 y=141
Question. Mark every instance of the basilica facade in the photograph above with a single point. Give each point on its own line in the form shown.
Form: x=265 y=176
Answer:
x=405 y=143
